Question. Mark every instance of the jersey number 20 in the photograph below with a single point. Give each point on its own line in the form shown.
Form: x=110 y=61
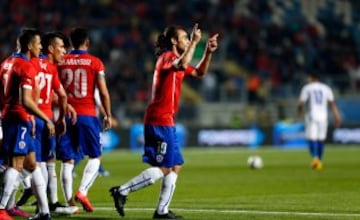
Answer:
x=77 y=79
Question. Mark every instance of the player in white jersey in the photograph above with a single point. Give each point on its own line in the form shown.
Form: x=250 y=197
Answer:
x=316 y=97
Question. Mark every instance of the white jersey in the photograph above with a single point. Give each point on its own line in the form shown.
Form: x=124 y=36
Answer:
x=316 y=95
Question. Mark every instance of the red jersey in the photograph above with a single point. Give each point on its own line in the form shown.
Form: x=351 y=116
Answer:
x=166 y=91
x=78 y=74
x=47 y=80
x=16 y=72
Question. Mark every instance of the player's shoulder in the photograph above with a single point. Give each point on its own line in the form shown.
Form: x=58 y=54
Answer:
x=7 y=59
x=36 y=61
x=25 y=64
x=94 y=58
x=165 y=58
x=5 y=63
x=89 y=56
x=308 y=86
x=168 y=55
x=323 y=85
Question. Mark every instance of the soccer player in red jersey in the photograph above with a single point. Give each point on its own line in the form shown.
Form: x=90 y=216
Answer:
x=174 y=51
x=80 y=73
x=49 y=83
x=17 y=76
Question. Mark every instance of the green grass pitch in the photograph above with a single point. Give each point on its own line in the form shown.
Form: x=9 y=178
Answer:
x=216 y=184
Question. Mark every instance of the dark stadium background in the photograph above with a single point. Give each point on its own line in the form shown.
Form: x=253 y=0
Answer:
x=266 y=49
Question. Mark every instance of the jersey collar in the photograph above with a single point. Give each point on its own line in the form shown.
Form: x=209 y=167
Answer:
x=20 y=55
x=43 y=56
x=78 y=52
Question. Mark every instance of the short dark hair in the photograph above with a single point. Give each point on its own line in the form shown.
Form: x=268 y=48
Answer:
x=49 y=38
x=25 y=37
x=314 y=75
x=78 y=36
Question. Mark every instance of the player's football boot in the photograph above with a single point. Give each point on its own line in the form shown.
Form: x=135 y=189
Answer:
x=39 y=216
x=319 y=166
x=71 y=203
x=83 y=199
x=62 y=209
x=314 y=163
x=169 y=215
x=119 y=200
x=16 y=211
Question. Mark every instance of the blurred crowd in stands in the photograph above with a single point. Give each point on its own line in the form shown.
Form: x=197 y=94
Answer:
x=266 y=49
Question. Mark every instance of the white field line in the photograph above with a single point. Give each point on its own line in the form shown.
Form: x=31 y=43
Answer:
x=256 y=212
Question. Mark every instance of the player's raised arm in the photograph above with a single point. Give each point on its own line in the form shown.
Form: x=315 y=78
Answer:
x=186 y=57
x=203 y=65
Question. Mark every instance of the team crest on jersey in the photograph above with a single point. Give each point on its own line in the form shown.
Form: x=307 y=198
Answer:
x=159 y=158
x=22 y=144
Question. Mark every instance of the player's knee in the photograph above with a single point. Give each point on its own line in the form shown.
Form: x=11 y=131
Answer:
x=153 y=174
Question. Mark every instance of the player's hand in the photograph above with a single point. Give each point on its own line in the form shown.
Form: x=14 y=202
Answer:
x=337 y=122
x=195 y=34
x=51 y=128
x=212 y=43
x=107 y=123
x=72 y=114
x=60 y=127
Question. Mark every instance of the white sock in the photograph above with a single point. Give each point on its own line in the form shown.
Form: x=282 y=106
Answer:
x=89 y=175
x=167 y=192
x=67 y=180
x=52 y=182
x=10 y=179
x=40 y=190
x=11 y=201
x=146 y=178
x=44 y=171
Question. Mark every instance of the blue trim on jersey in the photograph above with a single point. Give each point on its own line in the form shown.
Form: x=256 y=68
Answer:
x=20 y=55
x=78 y=52
x=43 y=56
x=161 y=147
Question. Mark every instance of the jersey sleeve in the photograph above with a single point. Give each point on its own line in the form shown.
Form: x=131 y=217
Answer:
x=330 y=94
x=98 y=66
x=28 y=79
x=189 y=70
x=303 y=94
x=166 y=60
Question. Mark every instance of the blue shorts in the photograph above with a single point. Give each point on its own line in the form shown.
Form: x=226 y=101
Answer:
x=80 y=139
x=17 y=138
x=44 y=145
x=161 y=147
